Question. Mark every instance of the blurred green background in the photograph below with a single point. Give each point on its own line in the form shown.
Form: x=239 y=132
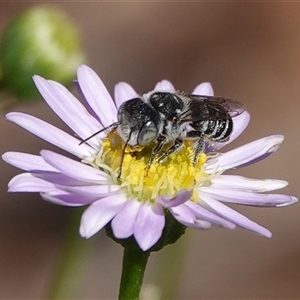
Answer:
x=249 y=52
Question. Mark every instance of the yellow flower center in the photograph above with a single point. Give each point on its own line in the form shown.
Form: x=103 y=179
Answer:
x=167 y=178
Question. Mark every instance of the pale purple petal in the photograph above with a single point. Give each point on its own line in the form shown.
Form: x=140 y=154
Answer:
x=77 y=116
x=124 y=92
x=204 y=89
x=181 y=197
x=58 y=178
x=164 y=86
x=98 y=214
x=245 y=154
x=235 y=182
x=246 y=198
x=203 y=214
x=97 y=190
x=200 y=224
x=259 y=158
x=74 y=168
x=149 y=225
x=123 y=223
x=27 y=162
x=97 y=95
x=44 y=182
x=234 y=217
x=185 y=216
x=85 y=102
x=67 y=199
x=51 y=134
x=293 y=200
x=79 y=187
x=69 y=109
x=240 y=123
x=26 y=182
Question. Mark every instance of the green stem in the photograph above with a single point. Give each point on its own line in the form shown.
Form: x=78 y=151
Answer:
x=133 y=269
x=74 y=258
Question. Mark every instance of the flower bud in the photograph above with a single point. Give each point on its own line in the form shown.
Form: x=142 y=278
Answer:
x=43 y=41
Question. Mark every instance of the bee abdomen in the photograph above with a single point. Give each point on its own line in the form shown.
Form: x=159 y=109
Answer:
x=217 y=130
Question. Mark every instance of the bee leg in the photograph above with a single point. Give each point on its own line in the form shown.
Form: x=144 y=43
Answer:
x=199 y=144
x=175 y=147
x=199 y=147
x=161 y=140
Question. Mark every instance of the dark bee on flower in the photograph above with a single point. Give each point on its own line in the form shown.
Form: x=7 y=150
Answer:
x=172 y=118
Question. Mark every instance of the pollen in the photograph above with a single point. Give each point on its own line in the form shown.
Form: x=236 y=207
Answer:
x=145 y=182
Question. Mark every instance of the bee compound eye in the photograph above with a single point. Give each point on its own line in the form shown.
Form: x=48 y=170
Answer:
x=147 y=133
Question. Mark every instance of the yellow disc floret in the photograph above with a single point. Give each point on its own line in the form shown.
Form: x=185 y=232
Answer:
x=147 y=182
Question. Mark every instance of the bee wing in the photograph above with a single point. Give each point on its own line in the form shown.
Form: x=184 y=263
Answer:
x=207 y=108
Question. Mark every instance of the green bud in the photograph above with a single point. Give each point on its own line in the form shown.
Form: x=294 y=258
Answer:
x=43 y=41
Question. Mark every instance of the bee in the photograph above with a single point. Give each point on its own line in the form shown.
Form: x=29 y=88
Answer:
x=172 y=118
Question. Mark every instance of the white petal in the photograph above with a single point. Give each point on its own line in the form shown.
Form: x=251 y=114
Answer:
x=124 y=92
x=98 y=214
x=123 y=223
x=97 y=95
x=51 y=134
x=149 y=225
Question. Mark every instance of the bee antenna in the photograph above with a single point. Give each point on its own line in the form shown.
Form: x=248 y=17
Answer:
x=113 y=125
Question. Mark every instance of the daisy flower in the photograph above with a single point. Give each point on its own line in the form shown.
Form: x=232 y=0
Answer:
x=137 y=204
